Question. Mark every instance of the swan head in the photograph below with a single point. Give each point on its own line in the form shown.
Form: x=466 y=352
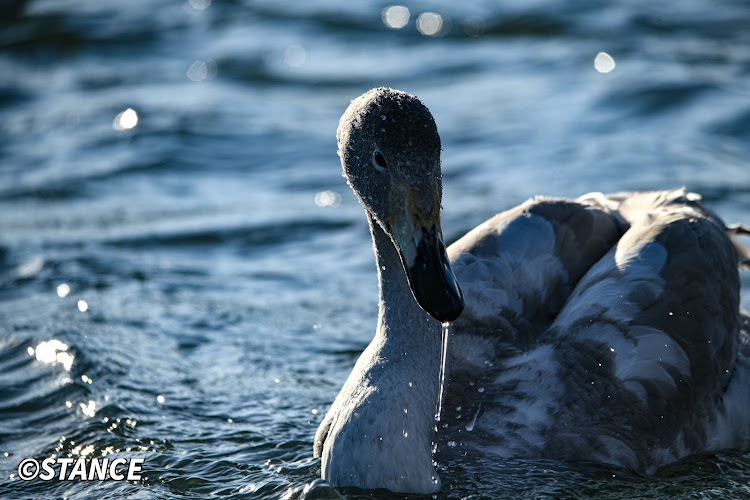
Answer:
x=390 y=152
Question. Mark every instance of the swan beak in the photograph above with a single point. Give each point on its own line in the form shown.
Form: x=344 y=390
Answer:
x=431 y=277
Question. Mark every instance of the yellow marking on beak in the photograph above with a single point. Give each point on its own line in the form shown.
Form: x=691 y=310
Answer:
x=425 y=215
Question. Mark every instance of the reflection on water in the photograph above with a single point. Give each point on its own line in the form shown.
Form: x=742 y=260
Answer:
x=396 y=16
x=52 y=352
x=202 y=70
x=200 y=4
x=125 y=120
x=295 y=56
x=89 y=408
x=431 y=24
x=63 y=289
x=604 y=63
x=327 y=199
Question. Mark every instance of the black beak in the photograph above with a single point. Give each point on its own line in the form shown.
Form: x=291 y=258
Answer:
x=432 y=280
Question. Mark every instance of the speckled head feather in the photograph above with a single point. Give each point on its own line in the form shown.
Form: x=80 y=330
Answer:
x=399 y=127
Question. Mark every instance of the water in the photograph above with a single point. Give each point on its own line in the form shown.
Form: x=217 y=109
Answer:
x=220 y=273
x=445 y=340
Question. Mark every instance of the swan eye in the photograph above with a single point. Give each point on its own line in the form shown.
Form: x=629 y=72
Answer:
x=379 y=161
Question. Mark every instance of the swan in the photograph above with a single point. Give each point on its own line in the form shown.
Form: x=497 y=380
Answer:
x=605 y=328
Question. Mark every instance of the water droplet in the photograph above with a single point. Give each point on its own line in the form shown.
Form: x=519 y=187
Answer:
x=406 y=410
x=470 y=425
x=451 y=444
x=481 y=389
x=443 y=363
x=406 y=434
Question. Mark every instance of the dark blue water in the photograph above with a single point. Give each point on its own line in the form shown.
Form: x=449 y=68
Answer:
x=217 y=276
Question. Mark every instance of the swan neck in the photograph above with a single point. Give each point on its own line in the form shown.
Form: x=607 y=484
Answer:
x=400 y=318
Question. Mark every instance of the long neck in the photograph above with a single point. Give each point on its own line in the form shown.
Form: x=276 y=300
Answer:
x=402 y=324
x=379 y=431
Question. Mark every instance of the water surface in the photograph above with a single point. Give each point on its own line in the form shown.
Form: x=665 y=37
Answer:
x=219 y=276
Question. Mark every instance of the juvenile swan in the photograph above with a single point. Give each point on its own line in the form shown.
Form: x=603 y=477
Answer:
x=604 y=329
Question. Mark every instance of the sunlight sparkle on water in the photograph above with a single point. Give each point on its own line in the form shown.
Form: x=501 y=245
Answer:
x=430 y=23
x=200 y=4
x=63 y=289
x=31 y=267
x=295 y=56
x=88 y=409
x=202 y=70
x=83 y=451
x=52 y=352
x=474 y=26
x=160 y=398
x=126 y=120
x=83 y=306
x=395 y=16
x=327 y=199
x=604 y=63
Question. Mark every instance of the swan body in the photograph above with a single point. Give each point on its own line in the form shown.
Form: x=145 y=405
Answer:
x=602 y=329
